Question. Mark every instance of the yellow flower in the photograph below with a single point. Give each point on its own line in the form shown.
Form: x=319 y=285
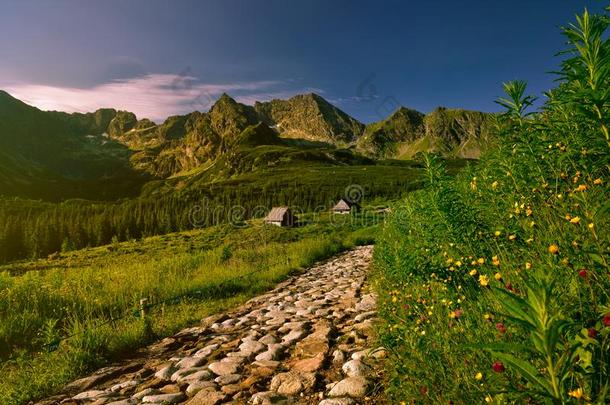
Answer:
x=473 y=272
x=494 y=185
x=498 y=276
x=568 y=217
x=598 y=181
x=529 y=212
x=394 y=299
x=478 y=376
x=497 y=233
x=481 y=260
x=591 y=225
x=512 y=237
x=554 y=249
x=581 y=188
x=458 y=263
x=575 y=220
x=488 y=398
x=487 y=317
x=484 y=280
x=577 y=393
x=495 y=261
x=528 y=265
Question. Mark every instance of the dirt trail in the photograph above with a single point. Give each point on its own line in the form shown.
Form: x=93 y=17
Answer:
x=309 y=341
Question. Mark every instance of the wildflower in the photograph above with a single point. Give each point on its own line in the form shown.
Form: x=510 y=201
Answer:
x=528 y=265
x=478 y=376
x=577 y=393
x=509 y=287
x=394 y=299
x=498 y=367
x=473 y=272
x=481 y=260
x=488 y=398
x=458 y=263
x=498 y=276
x=606 y=320
x=592 y=333
x=568 y=217
x=495 y=261
x=575 y=220
x=582 y=273
x=484 y=280
x=553 y=249
x=494 y=185
x=529 y=212
x=497 y=233
x=591 y=225
x=512 y=237
x=581 y=188
x=501 y=328
x=487 y=316
x=597 y=181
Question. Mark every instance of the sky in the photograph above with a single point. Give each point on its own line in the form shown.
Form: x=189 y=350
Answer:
x=161 y=58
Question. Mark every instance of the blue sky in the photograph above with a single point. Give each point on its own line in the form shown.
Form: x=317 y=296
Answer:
x=159 y=58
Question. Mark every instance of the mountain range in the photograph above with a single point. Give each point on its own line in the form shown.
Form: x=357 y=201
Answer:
x=108 y=154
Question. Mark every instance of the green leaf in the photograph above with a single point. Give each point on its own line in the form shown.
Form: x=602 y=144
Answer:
x=527 y=371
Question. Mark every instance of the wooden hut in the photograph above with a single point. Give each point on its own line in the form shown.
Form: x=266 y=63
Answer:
x=280 y=216
x=345 y=207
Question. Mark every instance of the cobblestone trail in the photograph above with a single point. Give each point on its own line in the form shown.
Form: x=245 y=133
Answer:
x=309 y=341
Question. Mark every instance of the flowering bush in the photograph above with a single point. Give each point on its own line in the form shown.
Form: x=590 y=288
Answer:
x=495 y=285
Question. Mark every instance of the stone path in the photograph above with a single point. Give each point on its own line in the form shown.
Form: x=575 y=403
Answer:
x=309 y=341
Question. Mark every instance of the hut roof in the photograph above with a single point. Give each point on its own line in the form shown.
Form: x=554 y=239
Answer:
x=277 y=213
x=343 y=204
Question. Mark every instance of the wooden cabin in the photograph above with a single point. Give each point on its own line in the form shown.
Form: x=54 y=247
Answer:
x=280 y=216
x=345 y=206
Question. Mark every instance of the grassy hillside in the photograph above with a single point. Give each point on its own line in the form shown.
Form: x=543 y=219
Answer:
x=186 y=276
x=498 y=280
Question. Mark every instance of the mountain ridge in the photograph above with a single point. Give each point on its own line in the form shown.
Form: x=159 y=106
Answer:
x=54 y=147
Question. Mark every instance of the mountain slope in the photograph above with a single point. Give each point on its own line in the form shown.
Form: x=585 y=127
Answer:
x=41 y=151
x=310 y=117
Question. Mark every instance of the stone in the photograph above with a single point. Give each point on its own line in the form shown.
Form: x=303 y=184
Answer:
x=128 y=401
x=292 y=382
x=123 y=385
x=164 y=398
x=338 y=357
x=190 y=362
x=292 y=337
x=166 y=373
x=367 y=303
x=197 y=386
x=355 y=387
x=252 y=347
x=206 y=351
x=201 y=375
x=170 y=389
x=224 y=367
x=207 y=396
x=356 y=368
x=145 y=392
x=88 y=395
x=337 y=401
x=269 y=398
x=227 y=379
x=309 y=365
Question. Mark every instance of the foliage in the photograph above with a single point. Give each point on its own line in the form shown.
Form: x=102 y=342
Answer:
x=497 y=280
x=90 y=295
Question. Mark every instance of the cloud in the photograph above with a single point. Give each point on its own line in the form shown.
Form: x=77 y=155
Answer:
x=154 y=96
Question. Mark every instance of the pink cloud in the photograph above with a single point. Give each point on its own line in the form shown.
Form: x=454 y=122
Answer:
x=155 y=96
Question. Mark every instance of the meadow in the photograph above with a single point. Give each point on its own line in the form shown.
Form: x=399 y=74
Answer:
x=63 y=316
x=494 y=285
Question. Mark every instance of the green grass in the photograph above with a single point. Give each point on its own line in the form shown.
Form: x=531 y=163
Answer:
x=494 y=285
x=79 y=292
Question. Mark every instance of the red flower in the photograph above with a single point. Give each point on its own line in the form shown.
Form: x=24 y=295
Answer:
x=458 y=313
x=592 y=332
x=582 y=273
x=498 y=367
x=607 y=319
x=423 y=390
x=501 y=328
